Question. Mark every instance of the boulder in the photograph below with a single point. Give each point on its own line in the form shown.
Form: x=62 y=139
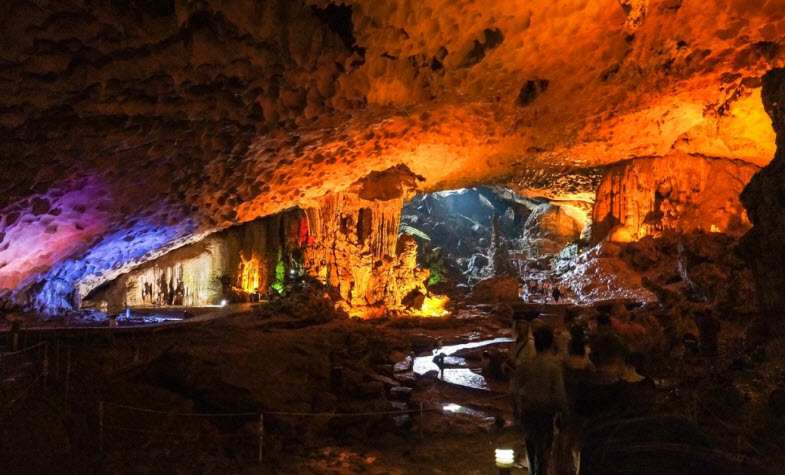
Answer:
x=496 y=289
x=550 y=228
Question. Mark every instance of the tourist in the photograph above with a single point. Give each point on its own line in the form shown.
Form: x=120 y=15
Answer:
x=605 y=338
x=438 y=360
x=521 y=352
x=615 y=382
x=578 y=371
x=556 y=293
x=523 y=349
x=541 y=398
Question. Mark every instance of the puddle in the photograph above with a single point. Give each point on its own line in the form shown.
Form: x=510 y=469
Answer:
x=453 y=408
x=130 y=318
x=460 y=376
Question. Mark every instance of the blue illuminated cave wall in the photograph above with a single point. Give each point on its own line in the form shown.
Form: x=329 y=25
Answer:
x=59 y=290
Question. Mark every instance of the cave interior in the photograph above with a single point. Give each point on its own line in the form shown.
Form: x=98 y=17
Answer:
x=313 y=236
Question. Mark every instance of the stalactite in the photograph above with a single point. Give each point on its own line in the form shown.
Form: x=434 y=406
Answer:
x=648 y=196
x=345 y=241
x=368 y=270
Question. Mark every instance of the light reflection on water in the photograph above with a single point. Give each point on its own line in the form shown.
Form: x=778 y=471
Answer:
x=453 y=408
x=458 y=376
x=130 y=319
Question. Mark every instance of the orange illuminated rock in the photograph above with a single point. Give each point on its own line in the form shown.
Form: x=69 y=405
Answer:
x=191 y=117
x=678 y=192
x=550 y=228
x=344 y=241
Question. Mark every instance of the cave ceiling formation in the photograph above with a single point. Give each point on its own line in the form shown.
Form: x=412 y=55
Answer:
x=130 y=127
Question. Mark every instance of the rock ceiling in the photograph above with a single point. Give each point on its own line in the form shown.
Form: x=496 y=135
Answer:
x=130 y=126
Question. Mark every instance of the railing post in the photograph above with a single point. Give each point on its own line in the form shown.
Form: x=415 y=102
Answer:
x=67 y=377
x=421 y=421
x=57 y=358
x=261 y=437
x=101 y=426
x=46 y=362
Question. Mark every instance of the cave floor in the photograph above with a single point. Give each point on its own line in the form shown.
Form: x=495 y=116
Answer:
x=281 y=364
x=241 y=362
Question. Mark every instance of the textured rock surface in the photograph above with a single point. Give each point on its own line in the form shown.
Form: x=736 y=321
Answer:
x=601 y=274
x=550 y=228
x=764 y=199
x=129 y=127
x=678 y=192
x=345 y=241
x=496 y=289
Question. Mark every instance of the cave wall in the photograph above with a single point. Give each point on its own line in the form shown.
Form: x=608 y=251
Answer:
x=764 y=199
x=344 y=241
x=130 y=128
x=677 y=192
x=124 y=127
x=550 y=228
x=225 y=265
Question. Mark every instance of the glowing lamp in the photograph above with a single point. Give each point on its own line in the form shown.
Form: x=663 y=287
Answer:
x=505 y=459
x=223 y=303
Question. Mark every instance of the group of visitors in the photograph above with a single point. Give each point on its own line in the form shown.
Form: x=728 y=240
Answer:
x=542 y=290
x=563 y=380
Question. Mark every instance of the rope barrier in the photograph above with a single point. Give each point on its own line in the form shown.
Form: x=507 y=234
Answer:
x=178 y=434
x=260 y=430
x=270 y=413
x=23 y=393
x=181 y=414
x=29 y=348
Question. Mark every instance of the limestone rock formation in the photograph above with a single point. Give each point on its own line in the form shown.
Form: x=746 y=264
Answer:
x=130 y=128
x=550 y=228
x=503 y=288
x=764 y=199
x=601 y=274
x=356 y=249
x=500 y=253
x=678 y=192
x=344 y=241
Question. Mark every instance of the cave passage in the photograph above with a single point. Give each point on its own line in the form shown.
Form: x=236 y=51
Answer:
x=469 y=235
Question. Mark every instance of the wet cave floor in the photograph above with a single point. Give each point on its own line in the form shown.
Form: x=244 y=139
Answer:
x=317 y=373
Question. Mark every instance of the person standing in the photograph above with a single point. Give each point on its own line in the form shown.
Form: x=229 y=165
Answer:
x=578 y=371
x=521 y=353
x=541 y=398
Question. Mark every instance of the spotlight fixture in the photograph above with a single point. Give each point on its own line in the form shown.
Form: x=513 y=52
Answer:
x=505 y=458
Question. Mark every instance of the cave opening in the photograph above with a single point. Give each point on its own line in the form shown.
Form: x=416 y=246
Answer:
x=468 y=235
